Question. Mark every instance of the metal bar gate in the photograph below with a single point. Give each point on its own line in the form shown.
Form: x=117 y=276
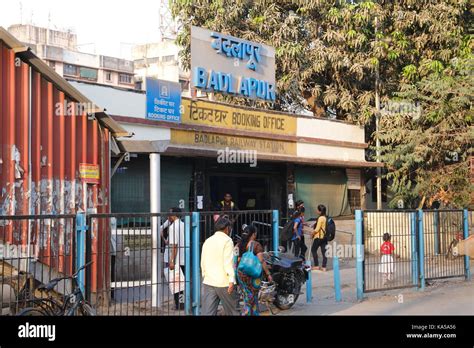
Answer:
x=418 y=250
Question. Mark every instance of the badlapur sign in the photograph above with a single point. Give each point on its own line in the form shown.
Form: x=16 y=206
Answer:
x=225 y=64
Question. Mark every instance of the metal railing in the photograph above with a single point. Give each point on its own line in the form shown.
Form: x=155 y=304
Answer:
x=262 y=219
x=33 y=250
x=129 y=256
x=138 y=274
x=389 y=271
x=422 y=241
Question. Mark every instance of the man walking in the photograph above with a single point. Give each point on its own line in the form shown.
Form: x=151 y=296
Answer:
x=218 y=271
x=174 y=253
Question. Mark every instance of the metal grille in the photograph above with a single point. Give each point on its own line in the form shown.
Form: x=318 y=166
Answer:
x=34 y=250
x=441 y=228
x=262 y=219
x=135 y=276
x=402 y=264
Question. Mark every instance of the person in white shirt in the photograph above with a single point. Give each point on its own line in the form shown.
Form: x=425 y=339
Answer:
x=218 y=272
x=174 y=251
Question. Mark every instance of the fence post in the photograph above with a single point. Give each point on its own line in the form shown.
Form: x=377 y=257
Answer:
x=421 y=249
x=187 y=261
x=467 y=264
x=359 y=254
x=196 y=264
x=81 y=229
x=414 y=252
x=436 y=232
x=337 y=278
x=276 y=232
x=309 y=284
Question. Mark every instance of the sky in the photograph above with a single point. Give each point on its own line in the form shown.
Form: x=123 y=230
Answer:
x=112 y=26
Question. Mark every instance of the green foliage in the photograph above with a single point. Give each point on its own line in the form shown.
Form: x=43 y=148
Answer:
x=330 y=52
x=418 y=148
x=319 y=42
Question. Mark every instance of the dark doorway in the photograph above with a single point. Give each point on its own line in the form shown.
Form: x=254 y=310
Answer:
x=248 y=192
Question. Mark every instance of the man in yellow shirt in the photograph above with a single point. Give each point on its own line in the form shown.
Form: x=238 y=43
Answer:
x=217 y=269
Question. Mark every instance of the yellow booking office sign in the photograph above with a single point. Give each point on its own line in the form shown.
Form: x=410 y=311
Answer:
x=233 y=117
x=197 y=139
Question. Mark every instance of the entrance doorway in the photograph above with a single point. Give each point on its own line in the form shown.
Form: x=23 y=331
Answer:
x=248 y=192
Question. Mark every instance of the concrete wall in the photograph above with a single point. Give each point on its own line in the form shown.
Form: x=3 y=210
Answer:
x=115 y=101
x=329 y=129
x=329 y=152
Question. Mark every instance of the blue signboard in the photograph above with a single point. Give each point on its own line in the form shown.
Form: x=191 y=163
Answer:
x=163 y=100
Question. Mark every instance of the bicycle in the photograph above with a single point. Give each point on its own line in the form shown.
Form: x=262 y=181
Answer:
x=71 y=305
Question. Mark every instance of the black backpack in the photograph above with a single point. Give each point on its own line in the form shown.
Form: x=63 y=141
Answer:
x=330 y=229
x=287 y=231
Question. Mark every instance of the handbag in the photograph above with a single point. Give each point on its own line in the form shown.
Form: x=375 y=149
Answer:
x=249 y=264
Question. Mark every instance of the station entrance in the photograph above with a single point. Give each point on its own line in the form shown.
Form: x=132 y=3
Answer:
x=254 y=189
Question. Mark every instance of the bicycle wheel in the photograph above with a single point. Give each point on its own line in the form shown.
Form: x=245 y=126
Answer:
x=31 y=312
x=87 y=310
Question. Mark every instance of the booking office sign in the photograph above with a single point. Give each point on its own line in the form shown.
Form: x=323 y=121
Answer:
x=163 y=100
x=225 y=64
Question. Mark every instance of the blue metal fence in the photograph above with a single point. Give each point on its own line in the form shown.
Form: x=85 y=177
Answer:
x=423 y=240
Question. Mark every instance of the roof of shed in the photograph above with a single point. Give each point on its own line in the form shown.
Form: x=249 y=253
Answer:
x=29 y=57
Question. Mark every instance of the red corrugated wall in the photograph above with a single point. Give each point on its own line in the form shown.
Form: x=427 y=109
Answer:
x=58 y=143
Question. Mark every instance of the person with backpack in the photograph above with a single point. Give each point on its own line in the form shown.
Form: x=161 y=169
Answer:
x=250 y=268
x=298 y=236
x=319 y=239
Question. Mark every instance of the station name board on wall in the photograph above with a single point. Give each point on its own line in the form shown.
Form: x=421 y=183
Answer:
x=229 y=65
x=234 y=117
x=221 y=141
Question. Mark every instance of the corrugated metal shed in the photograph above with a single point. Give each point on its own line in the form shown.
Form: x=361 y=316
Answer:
x=44 y=136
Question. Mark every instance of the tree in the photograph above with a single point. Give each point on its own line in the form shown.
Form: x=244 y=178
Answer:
x=427 y=151
x=327 y=56
x=327 y=51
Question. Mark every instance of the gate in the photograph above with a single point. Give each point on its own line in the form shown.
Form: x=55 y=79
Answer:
x=403 y=229
x=422 y=242
x=262 y=219
x=441 y=229
x=129 y=272
x=135 y=277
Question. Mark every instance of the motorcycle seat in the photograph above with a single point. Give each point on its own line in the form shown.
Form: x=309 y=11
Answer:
x=289 y=261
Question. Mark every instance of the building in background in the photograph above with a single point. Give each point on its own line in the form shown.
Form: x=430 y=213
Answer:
x=159 y=60
x=59 y=49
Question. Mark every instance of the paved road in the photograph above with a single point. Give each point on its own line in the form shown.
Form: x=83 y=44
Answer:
x=453 y=297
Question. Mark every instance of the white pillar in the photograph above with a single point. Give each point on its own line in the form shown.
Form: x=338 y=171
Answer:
x=155 y=207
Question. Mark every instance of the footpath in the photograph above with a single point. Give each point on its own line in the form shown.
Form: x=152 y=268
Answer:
x=442 y=297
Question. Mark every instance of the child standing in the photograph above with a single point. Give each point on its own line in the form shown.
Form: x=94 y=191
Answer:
x=386 y=266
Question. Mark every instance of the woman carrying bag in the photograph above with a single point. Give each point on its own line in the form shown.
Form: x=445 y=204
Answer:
x=251 y=266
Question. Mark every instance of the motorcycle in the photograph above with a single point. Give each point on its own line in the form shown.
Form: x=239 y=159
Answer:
x=289 y=273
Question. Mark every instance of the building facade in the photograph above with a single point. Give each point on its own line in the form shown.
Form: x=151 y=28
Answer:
x=59 y=50
x=318 y=160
